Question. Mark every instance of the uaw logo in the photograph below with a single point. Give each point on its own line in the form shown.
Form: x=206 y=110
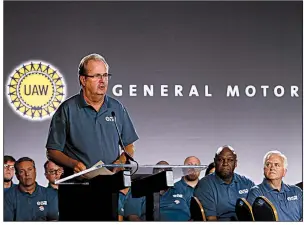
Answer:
x=35 y=90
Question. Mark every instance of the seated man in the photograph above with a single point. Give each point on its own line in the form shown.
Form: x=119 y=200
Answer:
x=52 y=173
x=189 y=182
x=124 y=194
x=29 y=201
x=9 y=170
x=287 y=199
x=173 y=205
x=219 y=191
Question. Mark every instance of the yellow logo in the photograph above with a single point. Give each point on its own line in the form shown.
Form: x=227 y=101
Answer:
x=35 y=90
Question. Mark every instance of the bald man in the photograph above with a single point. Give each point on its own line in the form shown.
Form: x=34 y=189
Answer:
x=219 y=191
x=189 y=181
x=173 y=205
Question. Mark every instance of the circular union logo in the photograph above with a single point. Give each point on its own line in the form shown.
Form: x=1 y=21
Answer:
x=35 y=90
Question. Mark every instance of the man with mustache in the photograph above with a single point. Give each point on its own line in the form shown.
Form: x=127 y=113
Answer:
x=189 y=181
x=82 y=131
x=29 y=201
x=219 y=191
x=9 y=170
x=287 y=199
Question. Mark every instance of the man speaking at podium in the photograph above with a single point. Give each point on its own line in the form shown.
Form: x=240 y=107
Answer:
x=83 y=129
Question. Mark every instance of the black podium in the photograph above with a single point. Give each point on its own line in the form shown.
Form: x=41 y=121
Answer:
x=149 y=186
x=92 y=200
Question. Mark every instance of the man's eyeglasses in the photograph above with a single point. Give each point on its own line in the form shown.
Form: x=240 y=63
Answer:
x=10 y=167
x=53 y=172
x=106 y=76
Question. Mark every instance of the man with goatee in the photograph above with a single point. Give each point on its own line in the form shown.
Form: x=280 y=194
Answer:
x=190 y=180
x=219 y=191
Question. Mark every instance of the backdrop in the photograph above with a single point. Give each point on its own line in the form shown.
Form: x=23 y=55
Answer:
x=172 y=43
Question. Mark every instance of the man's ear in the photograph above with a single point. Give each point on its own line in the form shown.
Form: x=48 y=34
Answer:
x=285 y=171
x=82 y=80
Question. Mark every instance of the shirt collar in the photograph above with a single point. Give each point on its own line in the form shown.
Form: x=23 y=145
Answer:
x=30 y=195
x=185 y=183
x=82 y=103
x=220 y=181
x=268 y=187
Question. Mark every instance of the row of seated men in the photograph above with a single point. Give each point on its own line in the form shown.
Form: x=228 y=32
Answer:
x=217 y=192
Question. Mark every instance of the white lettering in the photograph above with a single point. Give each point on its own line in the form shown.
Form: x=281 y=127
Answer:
x=276 y=92
x=193 y=91
x=207 y=94
x=119 y=93
x=294 y=91
x=178 y=90
x=253 y=91
x=132 y=90
x=148 y=90
x=163 y=90
x=264 y=87
x=234 y=91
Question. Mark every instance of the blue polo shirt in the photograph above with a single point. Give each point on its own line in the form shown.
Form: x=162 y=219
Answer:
x=173 y=206
x=218 y=198
x=186 y=189
x=6 y=189
x=86 y=135
x=42 y=204
x=288 y=201
x=122 y=200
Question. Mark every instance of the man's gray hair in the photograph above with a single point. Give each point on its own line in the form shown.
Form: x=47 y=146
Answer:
x=84 y=61
x=275 y=152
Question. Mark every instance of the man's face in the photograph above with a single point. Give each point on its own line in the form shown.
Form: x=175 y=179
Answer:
x=9 y=171
x=225 y=163
x=53 y=172
x=26 y=173
x=94 y=85
x=274 y=167
x=192 y=174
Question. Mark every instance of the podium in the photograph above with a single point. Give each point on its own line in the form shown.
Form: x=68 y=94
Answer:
x=92 y=200
x=97 y=199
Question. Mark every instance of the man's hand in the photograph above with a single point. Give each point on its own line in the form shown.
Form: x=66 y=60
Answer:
x=117 y=169
x=79 y=166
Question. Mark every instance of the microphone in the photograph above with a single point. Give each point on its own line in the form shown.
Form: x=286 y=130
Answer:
x=120 y=140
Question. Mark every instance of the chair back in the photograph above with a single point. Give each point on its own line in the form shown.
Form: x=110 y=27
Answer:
x=264 y=210
x=243 y=210
x=196 y=210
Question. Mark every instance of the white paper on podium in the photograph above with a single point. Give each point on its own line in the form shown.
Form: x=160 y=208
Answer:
x=100 y=171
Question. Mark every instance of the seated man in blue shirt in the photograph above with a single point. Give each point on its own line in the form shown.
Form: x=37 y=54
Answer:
x=29 y=201
x=173 y=205
x=189 y=182
x=219 y=191
x=124 y=194
x=9 y=170
x=287 y=199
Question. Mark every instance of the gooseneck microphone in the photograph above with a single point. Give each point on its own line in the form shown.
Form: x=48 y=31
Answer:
x=120 y=140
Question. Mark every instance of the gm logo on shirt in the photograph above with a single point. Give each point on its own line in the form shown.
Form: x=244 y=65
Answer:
x=292 y=198
x=42 y=203
x=244 y=191
x=109 y=119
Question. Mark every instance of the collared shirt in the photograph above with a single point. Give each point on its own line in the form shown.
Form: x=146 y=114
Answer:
x=42 y=204
x=86 y=135
x=50 y=186
x=186 y=189
x=218 y=198
x=173 y=206
x=287 y=201
x=12 y=185
x=122 y=201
